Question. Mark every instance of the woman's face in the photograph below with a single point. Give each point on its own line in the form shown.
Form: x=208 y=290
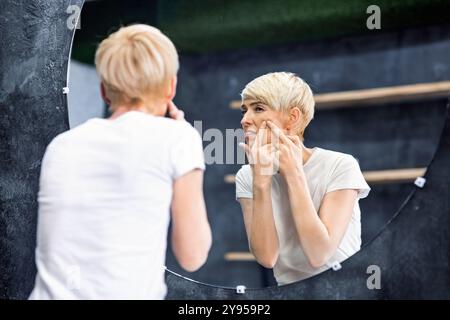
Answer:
x=254 y=113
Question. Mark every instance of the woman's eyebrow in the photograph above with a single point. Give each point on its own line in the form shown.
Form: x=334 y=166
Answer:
x=251 y=104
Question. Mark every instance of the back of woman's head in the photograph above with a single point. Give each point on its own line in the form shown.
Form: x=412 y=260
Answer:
x=136 y=64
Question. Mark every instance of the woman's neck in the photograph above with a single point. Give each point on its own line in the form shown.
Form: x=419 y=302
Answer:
x=156 y=110
x=121 y=110
x=307 y=152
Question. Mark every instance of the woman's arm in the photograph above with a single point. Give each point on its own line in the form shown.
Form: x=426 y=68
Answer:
x=191 y=233
x=320 y=233
x=260 y=224
x=258 y=216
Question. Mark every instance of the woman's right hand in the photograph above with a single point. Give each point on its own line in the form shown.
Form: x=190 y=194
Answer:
x=174 y=112
x=261 y=155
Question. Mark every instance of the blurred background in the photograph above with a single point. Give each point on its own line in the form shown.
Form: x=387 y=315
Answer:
x=392 y=131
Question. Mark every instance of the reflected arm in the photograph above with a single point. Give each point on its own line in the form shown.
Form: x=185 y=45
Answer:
x=319 y=234
x=260 y=224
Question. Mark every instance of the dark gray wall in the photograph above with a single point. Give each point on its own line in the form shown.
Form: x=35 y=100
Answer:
x=389 y=136
x=34 y=50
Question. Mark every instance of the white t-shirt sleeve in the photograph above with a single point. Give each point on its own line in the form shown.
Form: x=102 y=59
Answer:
x=347 y=175
x=244 y=183
x=187 y=153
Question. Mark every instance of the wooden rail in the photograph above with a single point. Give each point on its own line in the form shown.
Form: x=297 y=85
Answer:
x=369 y=97
x=239 y=256
x=376 y=177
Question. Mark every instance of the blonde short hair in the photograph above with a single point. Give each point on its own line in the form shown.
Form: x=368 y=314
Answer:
x=135 y=64
x=282 y=91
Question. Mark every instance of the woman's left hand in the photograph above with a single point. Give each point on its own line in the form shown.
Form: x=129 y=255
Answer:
x=289 y=151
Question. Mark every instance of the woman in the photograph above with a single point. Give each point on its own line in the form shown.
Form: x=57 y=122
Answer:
x=300 y=205
x=107 y=186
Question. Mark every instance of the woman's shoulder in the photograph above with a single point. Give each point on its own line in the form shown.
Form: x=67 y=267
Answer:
x=244 y=173
x=339 y=162
x=334 y=156
x=174 y=131
x=137 y=117
x=245 y=169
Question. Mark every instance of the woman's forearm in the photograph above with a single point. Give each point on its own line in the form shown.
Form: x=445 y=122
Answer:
x=263 y=235
x=311 y=231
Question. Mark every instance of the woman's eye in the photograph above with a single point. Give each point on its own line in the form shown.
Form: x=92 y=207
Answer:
x=259 y=109
x=243 y=111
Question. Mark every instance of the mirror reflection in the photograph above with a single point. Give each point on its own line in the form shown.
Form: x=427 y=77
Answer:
x=300 y=205
x=303 y=163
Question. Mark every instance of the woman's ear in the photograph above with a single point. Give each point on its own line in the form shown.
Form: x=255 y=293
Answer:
x=172 y=89
x=295 y=118
x=103 y=93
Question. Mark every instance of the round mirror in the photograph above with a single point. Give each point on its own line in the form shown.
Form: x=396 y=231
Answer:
x=392 y=132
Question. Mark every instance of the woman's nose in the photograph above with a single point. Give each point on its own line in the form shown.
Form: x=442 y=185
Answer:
x=246 y=119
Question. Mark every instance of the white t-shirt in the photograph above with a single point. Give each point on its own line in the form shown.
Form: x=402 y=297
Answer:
x=325 y=171
x=104 y=206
